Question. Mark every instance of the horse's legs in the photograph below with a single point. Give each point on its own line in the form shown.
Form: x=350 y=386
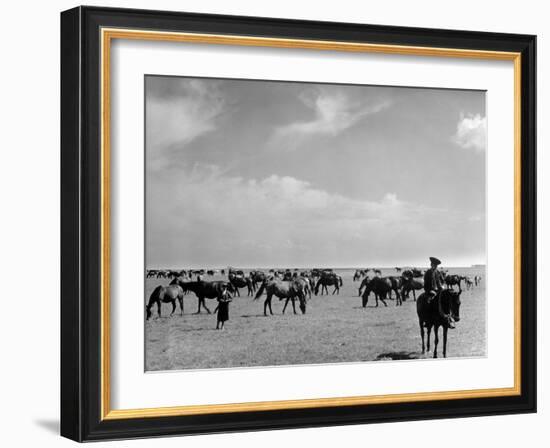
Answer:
x=173 y=307
x=422 y=334
x=180 y=299
x=445 y=329
x=293 y=305
x=202 y=302
x=268 y=303
x=429 y=331
x=159 y=307
x=382 y=297
x=199 y=305
x=414 y=295
x=436 y=339
x=365 y=299
x=286 y=303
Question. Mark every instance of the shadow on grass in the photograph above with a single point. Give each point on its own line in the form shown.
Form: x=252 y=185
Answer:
x=395 y=356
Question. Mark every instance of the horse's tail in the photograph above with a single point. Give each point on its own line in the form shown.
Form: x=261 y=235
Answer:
x=260 y=291
x=317 y=287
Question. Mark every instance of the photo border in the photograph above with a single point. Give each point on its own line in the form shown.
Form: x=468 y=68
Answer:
x=86 y=38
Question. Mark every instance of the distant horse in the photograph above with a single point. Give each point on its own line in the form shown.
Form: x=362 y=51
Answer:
x=398 y=270
x=327 y=280
x=240 y=281
x=289 y=290
x=381 y=287
x=377 y=272
x=438 y=312
x=468 y=282
x=165 y=294
x=206 y=290
x=477 y=280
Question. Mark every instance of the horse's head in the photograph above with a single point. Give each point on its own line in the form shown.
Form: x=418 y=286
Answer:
x=148 y=311
x=454 y=304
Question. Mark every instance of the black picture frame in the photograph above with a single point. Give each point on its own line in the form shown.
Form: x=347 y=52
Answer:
x=81 y=224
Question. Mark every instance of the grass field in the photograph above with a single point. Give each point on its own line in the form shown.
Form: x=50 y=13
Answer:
x=334 y=329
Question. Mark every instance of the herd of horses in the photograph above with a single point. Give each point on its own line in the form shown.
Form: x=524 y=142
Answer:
x=298 y=286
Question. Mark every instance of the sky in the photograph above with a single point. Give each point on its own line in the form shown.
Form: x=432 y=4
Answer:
x=251 y=173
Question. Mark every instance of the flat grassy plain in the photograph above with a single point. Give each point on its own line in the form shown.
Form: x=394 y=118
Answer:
x=335 y=329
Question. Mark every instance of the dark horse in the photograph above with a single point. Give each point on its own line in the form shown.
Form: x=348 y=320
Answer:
x=381 y=287
x=166 y=294
x=452 y=280
x=284 y=289
x=206 y=290
x=240 y=281
x=411 y=284
x=438 y=312
x=326 y=280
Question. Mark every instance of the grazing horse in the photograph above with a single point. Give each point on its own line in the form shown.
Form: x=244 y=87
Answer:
x=166 y=294
x=437 y=313
x=326 y=280
x=289 y=290
x=381 y=287
x=468 y=282
x=206 y=290
x=240 y=281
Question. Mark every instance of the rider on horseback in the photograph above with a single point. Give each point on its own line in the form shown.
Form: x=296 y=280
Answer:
x=433 y=285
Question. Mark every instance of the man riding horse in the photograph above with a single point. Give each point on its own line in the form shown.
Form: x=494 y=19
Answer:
x=433 y=285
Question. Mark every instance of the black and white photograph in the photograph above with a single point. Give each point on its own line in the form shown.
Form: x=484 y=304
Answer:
x=291 y=223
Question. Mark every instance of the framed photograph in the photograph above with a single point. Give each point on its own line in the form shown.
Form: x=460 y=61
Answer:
x=273 y=223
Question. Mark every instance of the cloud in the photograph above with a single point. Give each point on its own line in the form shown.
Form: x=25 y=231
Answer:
x=211 y=219
x=471 y=132
x=334 y=111
x=179 y=111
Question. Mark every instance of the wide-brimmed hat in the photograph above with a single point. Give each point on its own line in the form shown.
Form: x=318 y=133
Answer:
x=435 y=261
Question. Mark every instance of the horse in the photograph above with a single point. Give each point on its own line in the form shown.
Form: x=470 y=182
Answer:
x=451 y=280
x=206 y=290
x=257 y=277
x=283 y=289
x=468 y=282
x=381 y=287
x=411 y=284
x=326 y=280
x=396 y=284
x=166 y=294
x=436 y=313
x=240 y=281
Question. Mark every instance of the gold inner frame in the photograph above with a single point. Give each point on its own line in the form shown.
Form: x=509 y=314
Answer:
x=107 y=35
